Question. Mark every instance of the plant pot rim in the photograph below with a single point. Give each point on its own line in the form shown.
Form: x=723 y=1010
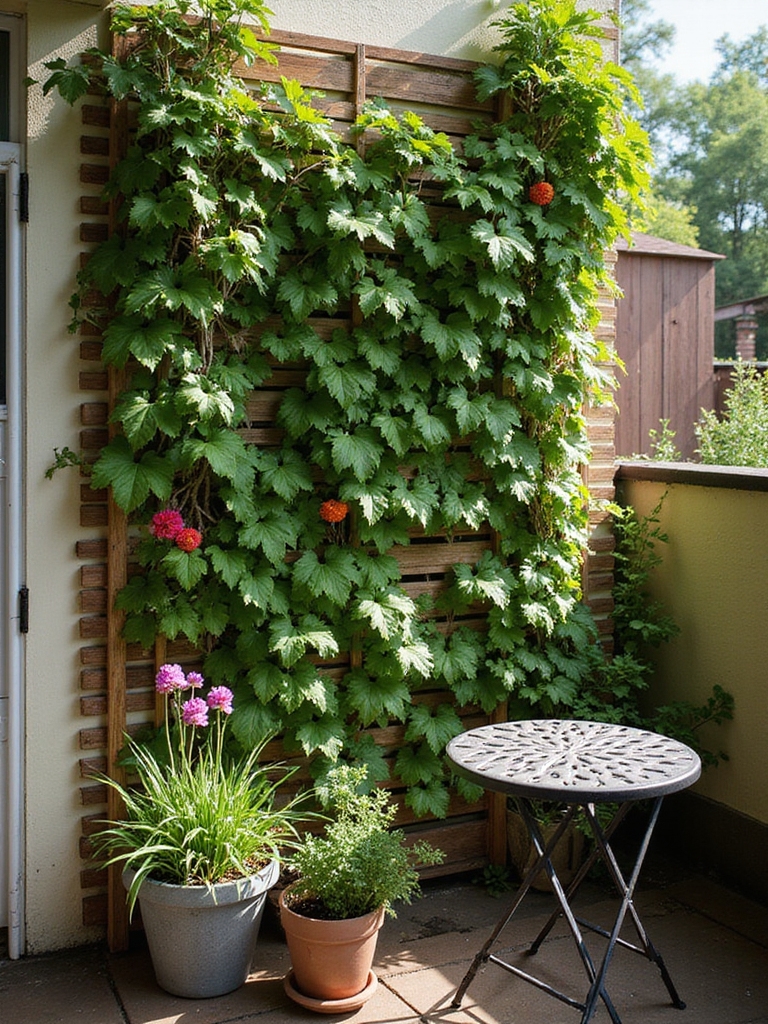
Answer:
x=216 y=894
x=377 y=913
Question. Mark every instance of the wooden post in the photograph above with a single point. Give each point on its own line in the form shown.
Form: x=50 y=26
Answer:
x=117 y=575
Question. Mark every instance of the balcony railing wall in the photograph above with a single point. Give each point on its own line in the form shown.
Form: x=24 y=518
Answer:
x=714 y=581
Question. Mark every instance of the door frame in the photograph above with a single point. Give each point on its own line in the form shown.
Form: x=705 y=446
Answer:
x=13 y=647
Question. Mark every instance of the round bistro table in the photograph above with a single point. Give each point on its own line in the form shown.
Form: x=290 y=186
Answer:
x=577 y=764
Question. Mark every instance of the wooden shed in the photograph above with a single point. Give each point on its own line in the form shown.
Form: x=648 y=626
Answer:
x=665 y=336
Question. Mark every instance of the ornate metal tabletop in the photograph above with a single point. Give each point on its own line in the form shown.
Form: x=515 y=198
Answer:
x=574 y=762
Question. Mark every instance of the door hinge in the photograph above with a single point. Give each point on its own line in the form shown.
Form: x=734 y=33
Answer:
x=24 y=610
x=24 y=197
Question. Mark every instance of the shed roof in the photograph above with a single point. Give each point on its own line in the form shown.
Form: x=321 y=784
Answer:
x=648 y=245
x=742 y=307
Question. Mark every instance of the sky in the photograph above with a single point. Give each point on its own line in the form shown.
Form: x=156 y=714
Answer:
x=699 y=23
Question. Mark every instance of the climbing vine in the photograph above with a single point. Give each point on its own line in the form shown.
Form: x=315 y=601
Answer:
x=452 y=400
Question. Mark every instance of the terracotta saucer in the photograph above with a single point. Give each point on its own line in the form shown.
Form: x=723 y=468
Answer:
x=330 y=1005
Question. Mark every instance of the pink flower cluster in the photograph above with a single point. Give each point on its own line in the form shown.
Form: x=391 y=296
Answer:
x=169 y=525
x=171 y=679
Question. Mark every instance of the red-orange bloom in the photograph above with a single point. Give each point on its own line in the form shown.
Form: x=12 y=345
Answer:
x=541 y=193
x=333 y=511
x=188 y=539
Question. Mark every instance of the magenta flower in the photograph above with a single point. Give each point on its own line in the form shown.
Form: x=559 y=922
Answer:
x=220 y=699
x=166 y=525
x=170 y=678
x=195 y=680
x=194 y=712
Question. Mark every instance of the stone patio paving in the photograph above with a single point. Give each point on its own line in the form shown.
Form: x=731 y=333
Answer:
x=715 y=944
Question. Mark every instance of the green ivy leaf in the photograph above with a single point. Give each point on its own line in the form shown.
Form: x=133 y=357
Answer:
x=131 y=336
x=432 y=799
x=326 y=735
x=187 y=568
x=332 y=578
x=226 y=453
x=292 y=641
x=415 y=656
x=436 y=727
x=180 y=619
x=417 y=765
x=274 y=534
x=132 y=481
x=376 y=698
x=504 y=247
x=253 y=722
x=286 y=473
x=359 y=451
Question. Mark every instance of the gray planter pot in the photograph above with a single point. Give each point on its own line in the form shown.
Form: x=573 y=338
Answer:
x=202 y=939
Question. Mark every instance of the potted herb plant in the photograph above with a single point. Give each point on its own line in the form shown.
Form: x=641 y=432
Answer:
x=200 y=841
x=349 y=878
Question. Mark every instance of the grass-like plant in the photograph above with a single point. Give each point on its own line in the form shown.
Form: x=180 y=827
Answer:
x=359 y=864
x=197 y=817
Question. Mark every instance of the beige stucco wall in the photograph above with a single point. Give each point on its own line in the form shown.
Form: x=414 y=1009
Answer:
x=53 y=811
x=713 y=580
x=58 y=28
x=459 y=28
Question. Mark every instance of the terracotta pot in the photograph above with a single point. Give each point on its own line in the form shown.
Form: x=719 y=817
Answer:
x=566 y=858
x=201 y=940
x=331 y=959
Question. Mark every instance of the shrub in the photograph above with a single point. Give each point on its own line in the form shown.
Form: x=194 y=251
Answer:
x=740 y=436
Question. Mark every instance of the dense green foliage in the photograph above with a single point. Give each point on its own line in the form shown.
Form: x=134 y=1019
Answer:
x=453 y=400
x=740 y=436
x=359 y=863
x=615 y=690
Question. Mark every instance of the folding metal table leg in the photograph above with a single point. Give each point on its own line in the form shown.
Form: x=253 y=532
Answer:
x=543 y=860
x=578 y=878
x=525 y=885
x=626 y=889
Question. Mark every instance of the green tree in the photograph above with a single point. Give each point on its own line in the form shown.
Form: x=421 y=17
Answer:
x=644 y=45
x=710 y=146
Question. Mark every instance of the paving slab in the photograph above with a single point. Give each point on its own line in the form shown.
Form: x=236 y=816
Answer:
x=66 y=988
x=713 y=941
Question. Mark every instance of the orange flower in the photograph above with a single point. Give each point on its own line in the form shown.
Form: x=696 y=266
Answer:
x=541 y=193
x=188 y=539
x=333 y=511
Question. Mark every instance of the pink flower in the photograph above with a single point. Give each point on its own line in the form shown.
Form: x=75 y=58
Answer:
x=194 y=712
x=166 y=525
x=170 y=678
x=195 y=680
x=220 y=699
x=188 y=539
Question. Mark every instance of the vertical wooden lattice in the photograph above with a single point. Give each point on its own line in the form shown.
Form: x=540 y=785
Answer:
x=116 y=679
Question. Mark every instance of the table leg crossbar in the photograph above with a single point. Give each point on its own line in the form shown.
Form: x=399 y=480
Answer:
x=602 y=850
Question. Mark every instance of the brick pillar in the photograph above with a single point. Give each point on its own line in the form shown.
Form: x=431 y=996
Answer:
x=746 y=329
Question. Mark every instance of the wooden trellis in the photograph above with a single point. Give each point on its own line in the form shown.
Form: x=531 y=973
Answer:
x=117 y=678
